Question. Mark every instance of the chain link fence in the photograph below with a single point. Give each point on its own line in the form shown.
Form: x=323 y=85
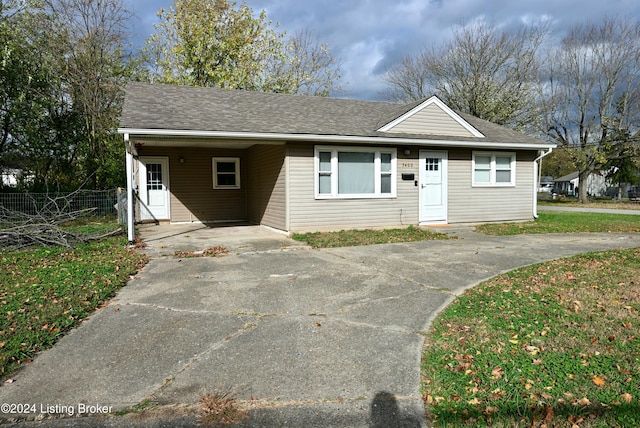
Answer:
x=108 y=205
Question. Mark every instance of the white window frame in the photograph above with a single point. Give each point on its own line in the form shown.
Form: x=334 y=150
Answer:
x=214 y=166
x=493 y=168
x=334 y=172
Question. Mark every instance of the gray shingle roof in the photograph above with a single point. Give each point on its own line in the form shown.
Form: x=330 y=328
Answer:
x=183 y=108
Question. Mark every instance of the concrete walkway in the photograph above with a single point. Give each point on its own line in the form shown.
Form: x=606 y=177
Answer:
x=305 y=337
x=588 y=210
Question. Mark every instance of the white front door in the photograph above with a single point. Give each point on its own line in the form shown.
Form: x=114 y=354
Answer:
x=433 y=186
x=154 y=188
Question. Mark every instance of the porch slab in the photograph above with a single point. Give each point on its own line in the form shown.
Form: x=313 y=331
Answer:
x=165 y=239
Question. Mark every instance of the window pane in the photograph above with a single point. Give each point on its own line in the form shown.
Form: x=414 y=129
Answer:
x=503 y=176
x=325 y=161
x=432 y=164
x=154 y=176
x=385 y=162
x=503 y=162
x=385 y=183
x=483 y=162
x=226 y=166
x=356 y=173
x=325 y=184
x=226 y=179
x=482 y=176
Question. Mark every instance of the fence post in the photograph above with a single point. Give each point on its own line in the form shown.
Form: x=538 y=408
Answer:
x=119 y=204
x=121 y=209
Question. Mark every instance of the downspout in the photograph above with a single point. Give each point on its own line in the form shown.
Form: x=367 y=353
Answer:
x=130 y=214
x=536 y=184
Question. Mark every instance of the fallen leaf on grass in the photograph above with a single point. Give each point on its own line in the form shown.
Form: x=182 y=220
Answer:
x=576 y=306
x=548 y=413
x=575 y=421
x=584 y=401
x=496 y=373
x=626 y=397
x=598 y=380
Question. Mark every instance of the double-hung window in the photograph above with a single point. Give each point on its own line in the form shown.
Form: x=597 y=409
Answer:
x=494 y=169
x=355 y=172
x=226 y=173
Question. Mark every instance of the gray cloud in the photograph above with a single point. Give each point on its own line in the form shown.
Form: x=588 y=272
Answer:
x=371 y=36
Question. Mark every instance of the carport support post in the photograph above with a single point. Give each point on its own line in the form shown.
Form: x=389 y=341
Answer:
x=537 y=169
x=131 y=235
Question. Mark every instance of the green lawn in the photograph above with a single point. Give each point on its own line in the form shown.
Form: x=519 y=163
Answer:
x=556 y=344
x=566 y=222
x=45 y=292
x=349 y=238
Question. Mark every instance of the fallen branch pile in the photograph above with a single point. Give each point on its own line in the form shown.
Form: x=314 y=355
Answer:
x=45 y=227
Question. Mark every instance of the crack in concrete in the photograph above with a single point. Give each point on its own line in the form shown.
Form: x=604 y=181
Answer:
x=199 y=356
x=274 y=404
x=167 y=308
x=389 y=328
x=394 y=275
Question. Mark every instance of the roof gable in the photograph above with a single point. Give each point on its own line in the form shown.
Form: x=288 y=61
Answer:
x=431 y=117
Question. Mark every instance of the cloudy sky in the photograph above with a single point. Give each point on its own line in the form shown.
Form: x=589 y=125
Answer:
x=369 y=36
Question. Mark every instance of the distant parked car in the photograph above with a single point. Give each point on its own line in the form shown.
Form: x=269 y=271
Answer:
x=634 y=194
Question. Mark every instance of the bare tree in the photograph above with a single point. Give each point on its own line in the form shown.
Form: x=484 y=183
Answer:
x=409 y=80
x=590 y=96
x=93 y=66
x=310 y=67
x=485 y=71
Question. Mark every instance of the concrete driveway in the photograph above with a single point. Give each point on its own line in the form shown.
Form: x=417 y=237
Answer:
x=305 y=337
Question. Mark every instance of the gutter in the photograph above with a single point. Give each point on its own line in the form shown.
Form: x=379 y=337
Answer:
x=263 y=136
x=535 y=178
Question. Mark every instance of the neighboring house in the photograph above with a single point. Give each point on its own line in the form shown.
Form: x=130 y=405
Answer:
x=10 y=176
x=597 y=184
x=546 y=184
x=299 y=163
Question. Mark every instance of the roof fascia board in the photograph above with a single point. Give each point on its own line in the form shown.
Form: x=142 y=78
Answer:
x=331 y=138
x=433 y=100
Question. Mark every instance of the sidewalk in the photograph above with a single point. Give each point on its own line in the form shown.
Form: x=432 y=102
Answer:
x=589 y=210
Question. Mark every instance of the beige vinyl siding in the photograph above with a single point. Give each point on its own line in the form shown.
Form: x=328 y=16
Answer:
x=266 y=186
x=469 y=204
x=193 y=197
x=309 y=214
x=431 y=120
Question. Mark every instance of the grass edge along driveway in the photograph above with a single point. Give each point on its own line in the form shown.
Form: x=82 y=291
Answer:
x=553 y=344
x=566 y=222
x=47 y=291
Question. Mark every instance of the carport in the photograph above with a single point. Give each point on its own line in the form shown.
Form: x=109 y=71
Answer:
x=166 y=239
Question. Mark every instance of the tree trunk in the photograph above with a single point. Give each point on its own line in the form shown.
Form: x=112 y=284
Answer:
x=583 y=198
